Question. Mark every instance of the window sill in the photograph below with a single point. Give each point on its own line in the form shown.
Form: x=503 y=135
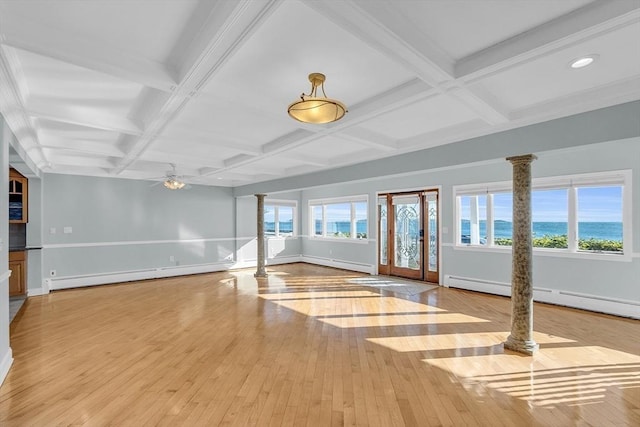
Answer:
x=603 y=256
x=339 y=239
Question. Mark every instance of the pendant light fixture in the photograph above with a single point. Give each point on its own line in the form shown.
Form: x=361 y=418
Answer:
x=317 y=109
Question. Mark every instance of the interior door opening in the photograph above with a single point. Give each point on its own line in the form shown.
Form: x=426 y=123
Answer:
x=408 y=235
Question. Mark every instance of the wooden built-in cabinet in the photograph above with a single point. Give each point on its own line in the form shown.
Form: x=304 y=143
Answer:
x=17 y=265
x=18 y=197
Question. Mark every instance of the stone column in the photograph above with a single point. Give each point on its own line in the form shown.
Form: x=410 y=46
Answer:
x=521 y=337
x=260 y=272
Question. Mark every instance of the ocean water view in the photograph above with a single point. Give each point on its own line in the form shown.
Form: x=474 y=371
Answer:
x=502 y=229
x=586 y=230
x=285 y=227
x=342 y=227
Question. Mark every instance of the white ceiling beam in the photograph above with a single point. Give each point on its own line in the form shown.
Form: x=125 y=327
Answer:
x=81 y=147
x=75 y=169
x=234 y=176
x=81 y=116
x=369 y=139
x=19 y=123
x=228 y=26
x=92 y=54
x=57 y=160
x=203 y=50
x=590 y=21
x=288 y=141
x=445 y=135
x=304 y=158
x=214 y=139
x=411 y=49
x=182 y=158
x=237 y=160
x=422 y=56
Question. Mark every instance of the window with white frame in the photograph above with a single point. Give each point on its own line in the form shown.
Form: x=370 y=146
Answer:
x=279 y=218
x=340 y=218
x=588 y=213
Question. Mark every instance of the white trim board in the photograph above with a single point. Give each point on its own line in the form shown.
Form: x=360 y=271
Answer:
x=66 y=282
x=134 y=242
x=615 y=306
x=5 y=364
x=5 y=276
x=336 y=263
x=248 y=263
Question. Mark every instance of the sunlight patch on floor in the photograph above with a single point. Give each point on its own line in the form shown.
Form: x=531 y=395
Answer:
x=387 y=319
x=588 y=375
x=338 y=305
x=437 y=342
x=284 y=296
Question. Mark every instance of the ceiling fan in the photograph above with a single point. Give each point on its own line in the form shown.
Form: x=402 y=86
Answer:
x=172 y=180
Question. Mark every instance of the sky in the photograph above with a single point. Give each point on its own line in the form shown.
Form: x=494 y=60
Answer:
x=595 y=204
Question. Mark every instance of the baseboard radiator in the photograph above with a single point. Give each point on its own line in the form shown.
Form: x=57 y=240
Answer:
x=596 y=303
x=67 y=282
x=338 y=263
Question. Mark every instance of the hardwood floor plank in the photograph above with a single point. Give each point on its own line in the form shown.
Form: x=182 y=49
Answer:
x=306 y=346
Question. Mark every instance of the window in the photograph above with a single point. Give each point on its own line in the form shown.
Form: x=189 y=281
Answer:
x=473 y=219
x=573 y=214
x=502 y=218
x=341 y=218
x=550 y=218
x=279 y=218
x=599 y=219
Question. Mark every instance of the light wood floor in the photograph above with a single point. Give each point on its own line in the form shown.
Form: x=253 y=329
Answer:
x=307 y=347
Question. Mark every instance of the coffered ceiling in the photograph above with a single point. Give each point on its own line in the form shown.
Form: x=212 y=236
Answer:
x=125 y=88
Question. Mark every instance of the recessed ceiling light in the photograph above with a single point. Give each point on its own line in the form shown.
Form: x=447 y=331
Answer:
x=582 y=61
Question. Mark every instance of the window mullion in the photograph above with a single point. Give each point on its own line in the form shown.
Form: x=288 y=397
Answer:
x=353 y=220
x=490 y=234
x=324 y=220
x=572 y=226
x=474 y=218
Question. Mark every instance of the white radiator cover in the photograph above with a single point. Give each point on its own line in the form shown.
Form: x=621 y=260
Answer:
x=618 y=307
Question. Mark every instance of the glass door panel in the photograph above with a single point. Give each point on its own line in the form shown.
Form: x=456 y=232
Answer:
x=406 y=235
x=383 y=234
x=432 y=242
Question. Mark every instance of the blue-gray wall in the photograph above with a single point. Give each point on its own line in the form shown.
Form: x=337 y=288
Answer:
x=120 y=225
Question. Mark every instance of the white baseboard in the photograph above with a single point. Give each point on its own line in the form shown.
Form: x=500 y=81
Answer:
x=5 y=364
x=67 y=282
x=618 y=307
x=249 y=263
x=336 y=263
x=129 y=276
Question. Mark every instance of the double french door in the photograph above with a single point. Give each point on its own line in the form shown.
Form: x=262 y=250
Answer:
x=408 y=244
